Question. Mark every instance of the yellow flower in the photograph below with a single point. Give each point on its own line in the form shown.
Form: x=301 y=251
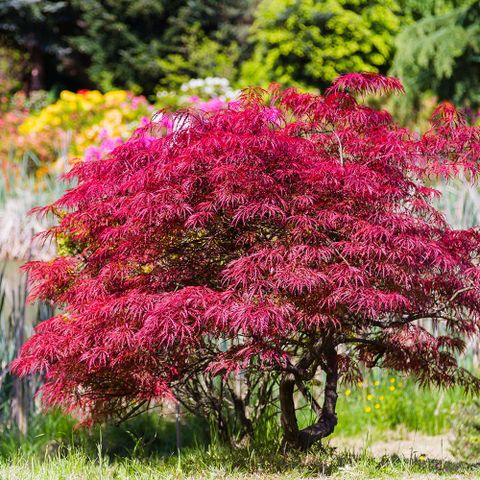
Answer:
x=67 y=96
x=422 y=458
x=360 y=384
x=55 y=122
x=376 y=383
x=116 y=96
x=94 y=96
x=41 y=171
x=377 y=405
x=368 y=409
x=113 y=117
x=391 y=388
x=392 y=380
x=369 y=397
x=381 y=397
x=348 y=392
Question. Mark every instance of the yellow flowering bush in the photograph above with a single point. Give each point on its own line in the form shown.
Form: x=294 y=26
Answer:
x=88 y=118
x=15 y=149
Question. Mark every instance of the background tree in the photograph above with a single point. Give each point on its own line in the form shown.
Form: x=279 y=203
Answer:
x=39 y=29
x=440 y=53
x=138 y=45
x=198 y=56
x=304 y=42
x=126 y=44
x=292 y=234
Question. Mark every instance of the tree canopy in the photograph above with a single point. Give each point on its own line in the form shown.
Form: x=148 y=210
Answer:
x=141 y=44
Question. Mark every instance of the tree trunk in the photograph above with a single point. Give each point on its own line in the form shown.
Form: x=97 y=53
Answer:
x=241 y=414
x=34 y=79
x=327 y=420
x=37 y=74
x=287 y=407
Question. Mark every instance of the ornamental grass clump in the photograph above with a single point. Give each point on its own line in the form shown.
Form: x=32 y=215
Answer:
x=291 y=234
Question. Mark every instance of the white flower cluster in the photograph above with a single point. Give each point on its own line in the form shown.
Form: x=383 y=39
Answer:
x=210 y=87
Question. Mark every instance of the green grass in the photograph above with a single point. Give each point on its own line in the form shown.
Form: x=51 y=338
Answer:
x=144 y=447
x=141 y=437
x=384 y=402
x=222 y=463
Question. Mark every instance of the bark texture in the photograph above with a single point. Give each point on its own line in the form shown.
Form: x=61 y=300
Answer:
x=327 y=418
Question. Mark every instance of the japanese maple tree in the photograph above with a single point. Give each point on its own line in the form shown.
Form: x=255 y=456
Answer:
x=291 y=234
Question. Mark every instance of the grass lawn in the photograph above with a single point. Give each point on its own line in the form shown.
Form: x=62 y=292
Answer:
x=219 y=463
x=407 y=437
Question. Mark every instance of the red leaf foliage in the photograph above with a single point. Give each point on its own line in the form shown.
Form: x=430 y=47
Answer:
x=248 y=234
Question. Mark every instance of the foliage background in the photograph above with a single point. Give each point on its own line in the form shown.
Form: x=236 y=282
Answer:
x=147 y=45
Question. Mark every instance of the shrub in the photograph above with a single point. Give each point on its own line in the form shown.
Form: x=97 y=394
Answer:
x=85 y=119
x=288 y=235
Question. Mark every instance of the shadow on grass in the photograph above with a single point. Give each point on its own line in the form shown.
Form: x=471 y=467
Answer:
x=151 y=440
x=320 y=461
x=149 y=435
